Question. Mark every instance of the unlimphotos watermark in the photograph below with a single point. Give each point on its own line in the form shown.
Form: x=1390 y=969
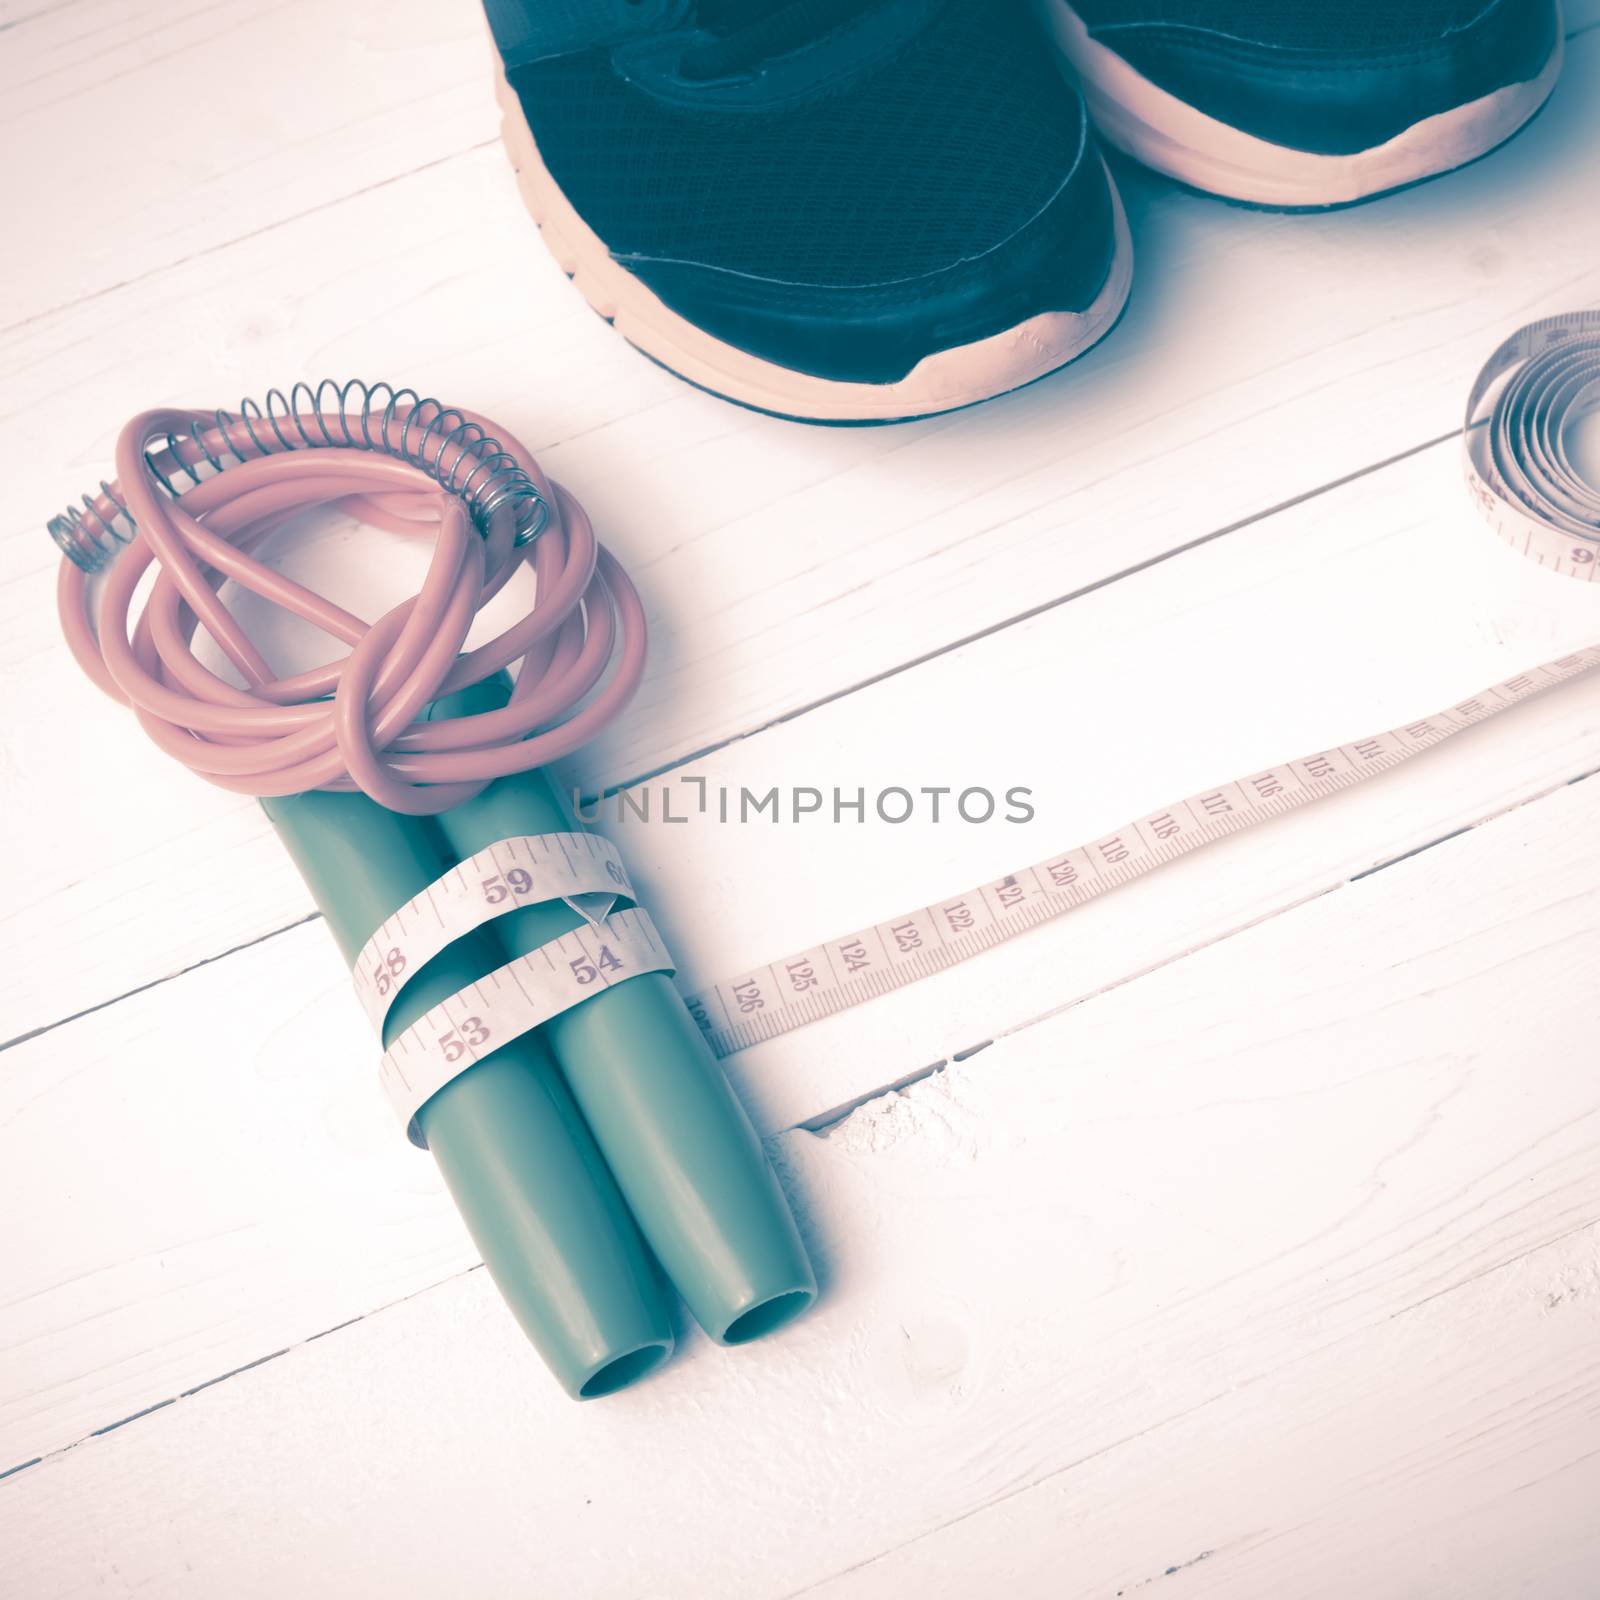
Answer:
x=896 y=803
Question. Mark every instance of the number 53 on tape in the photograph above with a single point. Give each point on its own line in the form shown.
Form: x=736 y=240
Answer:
x=505 y=1003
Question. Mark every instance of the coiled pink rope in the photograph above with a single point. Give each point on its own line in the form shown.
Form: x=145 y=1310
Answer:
x=351 y=723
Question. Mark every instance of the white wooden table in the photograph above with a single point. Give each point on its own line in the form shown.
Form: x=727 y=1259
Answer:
x=1256 y=1253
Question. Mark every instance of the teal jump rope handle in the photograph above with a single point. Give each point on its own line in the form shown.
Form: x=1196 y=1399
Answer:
x=661 y=1108
x=517 y=1157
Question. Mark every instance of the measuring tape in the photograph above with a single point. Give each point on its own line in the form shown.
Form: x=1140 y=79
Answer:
x=1519 y=471
x=582 y=869
x=831 y=977
x=1531 y=392
x=508 y=1002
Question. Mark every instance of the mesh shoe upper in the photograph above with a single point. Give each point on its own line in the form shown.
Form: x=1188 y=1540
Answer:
x=938 y=153
x=1326 y=77
x=919 y=173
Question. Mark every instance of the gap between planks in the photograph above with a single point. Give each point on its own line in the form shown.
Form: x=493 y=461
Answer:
x=748 y=709
x=1578 y=24
x=820 y=1126
x=824 y=1121
x=1266 y=1375
x=289 y=220
x=1200 y=541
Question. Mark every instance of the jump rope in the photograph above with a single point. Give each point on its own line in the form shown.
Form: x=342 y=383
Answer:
x=533 y=1039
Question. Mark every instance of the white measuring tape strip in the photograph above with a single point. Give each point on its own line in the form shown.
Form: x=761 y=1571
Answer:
x=581 y=868
x=1543 y=380
x=511 y=1000
x=831 y=977
x=1533 y=389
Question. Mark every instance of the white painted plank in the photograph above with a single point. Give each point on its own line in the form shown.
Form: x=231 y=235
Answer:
x=1313 y=629
x=1277 y=1268
x=153 y=132
x=1424 y=1456
x=1105 y=709
x=160 y=1306
x=832 y=556
x=1231 y=619
x=151 y=1255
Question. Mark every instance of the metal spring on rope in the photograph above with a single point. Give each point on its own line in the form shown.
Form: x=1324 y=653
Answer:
x=454 y=451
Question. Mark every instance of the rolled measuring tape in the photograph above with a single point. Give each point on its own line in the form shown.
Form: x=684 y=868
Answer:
x=1533 y=391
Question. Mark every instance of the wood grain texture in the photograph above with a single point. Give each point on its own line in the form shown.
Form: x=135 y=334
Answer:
x=313 y=1210
x=1255 y=1255
x=1288 y=1285
x=257 y=114
x=832 y=555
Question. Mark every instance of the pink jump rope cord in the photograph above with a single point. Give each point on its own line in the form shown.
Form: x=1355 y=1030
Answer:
x=282 y=736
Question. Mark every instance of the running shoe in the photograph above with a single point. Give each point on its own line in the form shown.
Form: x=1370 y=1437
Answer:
x=1309 y=102
x=837 y=210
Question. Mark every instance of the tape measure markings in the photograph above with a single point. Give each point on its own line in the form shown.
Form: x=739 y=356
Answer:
x=509 y=1001
x=583 y=869
x=1539 y=381
x=825 y=979
x=1518 y=475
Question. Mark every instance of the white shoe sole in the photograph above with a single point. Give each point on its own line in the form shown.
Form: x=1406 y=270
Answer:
x=1168 y=134
x=942 y=381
